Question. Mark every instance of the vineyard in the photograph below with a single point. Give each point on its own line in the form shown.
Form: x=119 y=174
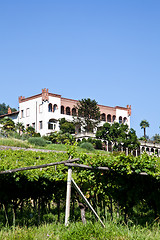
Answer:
x=128 y=191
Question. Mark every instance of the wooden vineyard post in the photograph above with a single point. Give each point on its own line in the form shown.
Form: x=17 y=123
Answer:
x=68 y=196
x=86 y=201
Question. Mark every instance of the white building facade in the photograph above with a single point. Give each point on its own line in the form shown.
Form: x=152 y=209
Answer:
x=43 y=112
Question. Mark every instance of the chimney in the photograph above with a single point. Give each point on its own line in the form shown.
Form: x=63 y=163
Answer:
x=9 y=110
x=129 y=110
x=45 y=95
x=20 y=99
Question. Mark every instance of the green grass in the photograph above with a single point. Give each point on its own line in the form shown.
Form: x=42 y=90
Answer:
x=63 y=147
x=78 y=231
x=14 y=142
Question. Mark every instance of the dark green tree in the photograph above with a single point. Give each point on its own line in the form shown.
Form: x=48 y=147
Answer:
x=66 y=127
x=119 y=134
x=4 y=109
x=144 y=124
x=88 y=114
x=131 y=140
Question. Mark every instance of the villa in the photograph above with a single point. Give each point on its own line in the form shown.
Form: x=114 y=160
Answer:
x=43 y=111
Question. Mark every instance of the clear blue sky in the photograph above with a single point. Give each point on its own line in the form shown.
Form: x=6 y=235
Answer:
x=104 y=50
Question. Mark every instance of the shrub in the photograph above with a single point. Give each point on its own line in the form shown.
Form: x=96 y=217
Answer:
x=59 y=137
x=38 y=141
x=87 y=145
x=97 y=144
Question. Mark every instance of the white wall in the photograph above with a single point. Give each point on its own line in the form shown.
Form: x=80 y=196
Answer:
x=35 y=115
x=122 y=113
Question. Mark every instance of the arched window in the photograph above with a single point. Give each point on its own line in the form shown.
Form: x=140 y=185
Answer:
x=73 y=112
x=103 y=117
x=55 y=107
x=120 y=119
x=147 y=149
x=124 y=120
x=62 y=109
x=68 y=111
x=50 y=107
x=108 y=118
x=114 y=118
x=52 y=124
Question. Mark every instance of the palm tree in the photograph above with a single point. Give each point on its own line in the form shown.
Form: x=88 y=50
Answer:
x=144 y=124
x=20 y=127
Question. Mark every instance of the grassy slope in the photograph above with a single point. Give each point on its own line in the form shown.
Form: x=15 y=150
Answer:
x=78 y=231
x=24 y=144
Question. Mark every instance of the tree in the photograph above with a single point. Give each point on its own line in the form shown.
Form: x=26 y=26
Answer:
x=144 y=124
x=156 y=138
x=88 y=114
x=7 y=125
x=119 y=134
x=20 y=127
x=31 y=132
x=4 y=109
x=66 y=127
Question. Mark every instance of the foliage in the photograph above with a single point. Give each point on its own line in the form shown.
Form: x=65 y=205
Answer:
x=31 y=132
x=61 y=138
x=97 y=143
x=144 y=124
x=87 y=146
x=88 y=114
x=38 y=141
x=20 y=127
x=66 y=127
x=121 y=187
x=119 y=134
x=4 y=109
x=8 y=126
x=156 y=138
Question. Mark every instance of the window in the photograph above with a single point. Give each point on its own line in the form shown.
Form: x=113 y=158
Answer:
x=50 y=126
x=114 y=118
x=55 y=107
x=40 y=125
x=22 y=113
x=120 y=120
x=40 y=108
x=27 y=125
x=108 y=118
x=68 y=110
x=27 y=112
x=62 y=109
x=124 y=120
x=50 y=107
x=33 y=125
x=103 y=117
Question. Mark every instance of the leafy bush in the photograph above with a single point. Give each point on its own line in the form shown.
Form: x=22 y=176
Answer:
x=66 y=127
x=97 y=143
x=38 y=141
x=87 y=145
x=59 y=137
